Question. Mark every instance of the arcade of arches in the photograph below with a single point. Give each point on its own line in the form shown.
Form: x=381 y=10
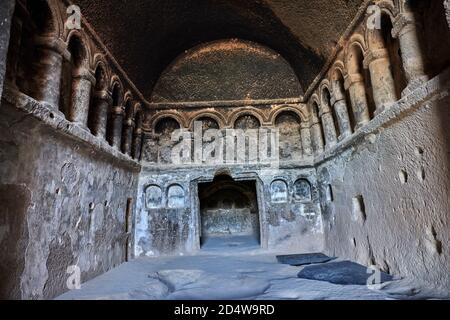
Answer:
x=360 y=168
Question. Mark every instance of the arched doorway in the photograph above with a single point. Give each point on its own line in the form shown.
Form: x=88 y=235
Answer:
x=229 y=214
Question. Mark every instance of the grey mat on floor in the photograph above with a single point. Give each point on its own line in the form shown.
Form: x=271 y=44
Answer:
x=303 y=259
x=345 y=272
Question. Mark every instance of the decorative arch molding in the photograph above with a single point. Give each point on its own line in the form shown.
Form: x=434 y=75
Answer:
x=115 y=81
x=249 y=111
x=355 y=40
x=387 y=8
x=88 y=59
x=128 y=96
x=170 y=114
x=338 y=66
x=216 y=116
x=176 y=196
x=314 y=99
x=57 y=18
x=279 y=190
x=325 y=84
x=243 y=189
x=128 y=102
x=99 y=61
x=137 y=108
x=282 y=109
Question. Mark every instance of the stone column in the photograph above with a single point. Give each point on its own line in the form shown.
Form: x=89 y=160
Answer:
x=127 y=136
x=340 y=107
x=408 y=31
x=354 y=83
x=46 y=81
x=102 y=102
x=316 y=135
x=137 y=144
x=14 y=50
x=82 y=82
x=306 y=139
x=6 y=14
x=447 y=11
x=116 y=126
x=328 y=125
x=383 y=84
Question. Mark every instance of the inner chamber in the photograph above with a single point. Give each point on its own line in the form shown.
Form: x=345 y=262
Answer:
x=229 y=213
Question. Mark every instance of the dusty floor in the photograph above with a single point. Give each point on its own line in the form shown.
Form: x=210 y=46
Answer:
x=229 y=269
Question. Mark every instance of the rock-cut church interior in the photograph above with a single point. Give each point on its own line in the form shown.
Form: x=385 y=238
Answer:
x=224 y=149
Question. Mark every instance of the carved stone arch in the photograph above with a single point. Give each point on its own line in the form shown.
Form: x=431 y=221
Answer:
x=137 y=107
x=314 y=100
x=358 y=41
x=116 y=84
x=217 y=186
x=86 y=61
x=356 y=47
x=100 y=64
x=338 y=66
x=325 y=84
x=170 y=114
x=249 y=111
x=57 y=23
x=154 y=196
x=128 y=105
x=216 y=116
x=275 y=113
x=176 y=196
x=388 y=9
x=279 y=191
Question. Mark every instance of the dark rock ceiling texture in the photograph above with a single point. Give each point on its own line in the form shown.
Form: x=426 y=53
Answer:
x=145 y=36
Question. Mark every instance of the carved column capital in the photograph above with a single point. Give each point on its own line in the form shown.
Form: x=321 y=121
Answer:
x=129 y=123
x=53 y=43
x=104 y=95
x=352 y=78
x=374 y=55
x=138 y=131
x=402 y=23
x=84 y=74
x=117 y=111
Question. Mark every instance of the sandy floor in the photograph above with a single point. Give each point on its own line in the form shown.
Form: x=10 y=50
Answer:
x=229 y=270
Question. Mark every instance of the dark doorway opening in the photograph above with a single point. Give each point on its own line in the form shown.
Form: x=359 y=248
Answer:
x=229 y=213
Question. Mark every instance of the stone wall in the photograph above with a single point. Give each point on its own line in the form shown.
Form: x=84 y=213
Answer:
x=288 y=211
x=390 y=194
x=64 y=198
x=6 y=11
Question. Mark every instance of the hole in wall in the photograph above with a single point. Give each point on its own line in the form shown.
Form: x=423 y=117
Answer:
x=329 y=193
x=359 y=208
x=419 y=152
x=438 y=244
x=52 y=116
x=91 y=206
x=58 y=191
x=403 y=176
x=106 y=203
x=421 y=174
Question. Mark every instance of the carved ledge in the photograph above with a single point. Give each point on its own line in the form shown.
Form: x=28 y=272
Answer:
x=46 y=114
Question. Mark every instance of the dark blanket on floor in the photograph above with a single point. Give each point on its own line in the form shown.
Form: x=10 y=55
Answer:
x=345 y=273
x=304 y=259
